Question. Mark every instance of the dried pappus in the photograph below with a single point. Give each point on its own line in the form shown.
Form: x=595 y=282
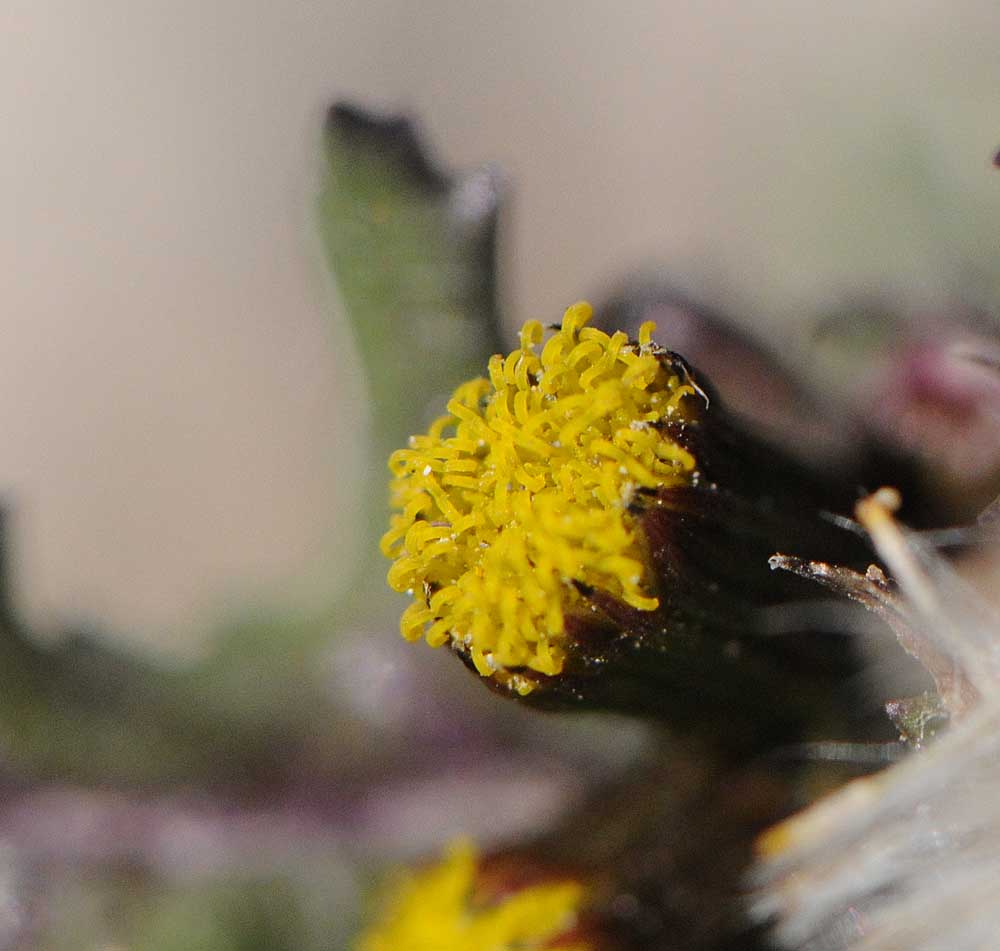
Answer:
x=909 y=858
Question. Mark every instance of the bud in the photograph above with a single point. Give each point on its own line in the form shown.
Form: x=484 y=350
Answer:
x=589 y=527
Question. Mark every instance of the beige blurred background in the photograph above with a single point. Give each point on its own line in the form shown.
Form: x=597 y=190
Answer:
x=182 y=411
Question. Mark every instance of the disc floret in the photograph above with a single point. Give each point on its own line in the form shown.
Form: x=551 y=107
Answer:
x=518 y=501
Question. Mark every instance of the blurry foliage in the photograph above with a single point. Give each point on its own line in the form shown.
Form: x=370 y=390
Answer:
x=412 y=254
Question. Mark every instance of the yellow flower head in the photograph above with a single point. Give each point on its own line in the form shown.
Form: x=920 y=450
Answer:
x=439 y=909
x=520 y=497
